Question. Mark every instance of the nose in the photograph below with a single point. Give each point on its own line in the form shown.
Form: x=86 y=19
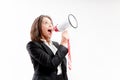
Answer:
x=50 y=25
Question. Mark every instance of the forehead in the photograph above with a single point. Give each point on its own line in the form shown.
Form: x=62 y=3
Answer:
x=46 y=19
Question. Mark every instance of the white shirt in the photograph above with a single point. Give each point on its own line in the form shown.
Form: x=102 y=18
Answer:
x=54 y=49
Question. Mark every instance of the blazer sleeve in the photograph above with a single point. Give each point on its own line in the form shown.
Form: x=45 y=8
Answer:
x=40 y=55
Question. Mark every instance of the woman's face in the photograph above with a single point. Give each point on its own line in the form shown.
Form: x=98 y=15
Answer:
x=47 y=28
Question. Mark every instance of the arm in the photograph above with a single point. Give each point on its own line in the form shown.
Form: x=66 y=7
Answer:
x=38 y=53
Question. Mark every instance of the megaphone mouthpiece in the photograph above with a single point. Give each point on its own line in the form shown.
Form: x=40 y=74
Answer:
x=56 y=29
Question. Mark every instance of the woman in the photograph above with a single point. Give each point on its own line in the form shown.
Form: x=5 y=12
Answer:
x=48 y=57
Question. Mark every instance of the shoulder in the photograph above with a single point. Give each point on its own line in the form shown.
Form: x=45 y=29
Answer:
x=32 y=44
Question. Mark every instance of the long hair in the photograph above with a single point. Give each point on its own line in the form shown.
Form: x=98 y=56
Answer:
x=36 y=30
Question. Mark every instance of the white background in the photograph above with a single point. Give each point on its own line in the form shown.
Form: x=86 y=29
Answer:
x=95 y=44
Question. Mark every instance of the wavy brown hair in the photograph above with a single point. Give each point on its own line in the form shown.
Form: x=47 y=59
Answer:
x=36 y=30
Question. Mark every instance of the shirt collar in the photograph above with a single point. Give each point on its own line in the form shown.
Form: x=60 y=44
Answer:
x=46 y=41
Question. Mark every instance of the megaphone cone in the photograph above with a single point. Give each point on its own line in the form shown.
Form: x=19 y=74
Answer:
x=71 y=21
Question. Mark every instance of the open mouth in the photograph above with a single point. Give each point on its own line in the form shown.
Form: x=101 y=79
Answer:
x=49 y=30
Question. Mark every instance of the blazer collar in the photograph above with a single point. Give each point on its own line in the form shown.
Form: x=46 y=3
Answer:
x=47 y=49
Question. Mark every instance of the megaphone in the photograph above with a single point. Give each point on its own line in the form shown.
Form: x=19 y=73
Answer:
x=71 y=21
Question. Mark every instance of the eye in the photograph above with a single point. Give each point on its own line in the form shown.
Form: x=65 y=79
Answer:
x=46 y=22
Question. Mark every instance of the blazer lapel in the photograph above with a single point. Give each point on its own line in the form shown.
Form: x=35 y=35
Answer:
x=47 y=49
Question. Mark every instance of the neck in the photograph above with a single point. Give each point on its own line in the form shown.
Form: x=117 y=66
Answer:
x=46 y=39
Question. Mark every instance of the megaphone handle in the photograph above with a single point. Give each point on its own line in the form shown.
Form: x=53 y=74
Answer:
x=69 y=56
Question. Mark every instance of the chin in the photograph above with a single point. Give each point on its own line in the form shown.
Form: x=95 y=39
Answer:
x=49 y=37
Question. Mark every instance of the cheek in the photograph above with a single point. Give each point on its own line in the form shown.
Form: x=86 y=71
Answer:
x=43 y=30
x=44 y=27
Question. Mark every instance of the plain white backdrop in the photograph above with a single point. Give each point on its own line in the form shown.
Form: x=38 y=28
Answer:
x=95 y=44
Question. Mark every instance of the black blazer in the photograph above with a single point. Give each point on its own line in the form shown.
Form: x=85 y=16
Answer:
x=45 y=63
